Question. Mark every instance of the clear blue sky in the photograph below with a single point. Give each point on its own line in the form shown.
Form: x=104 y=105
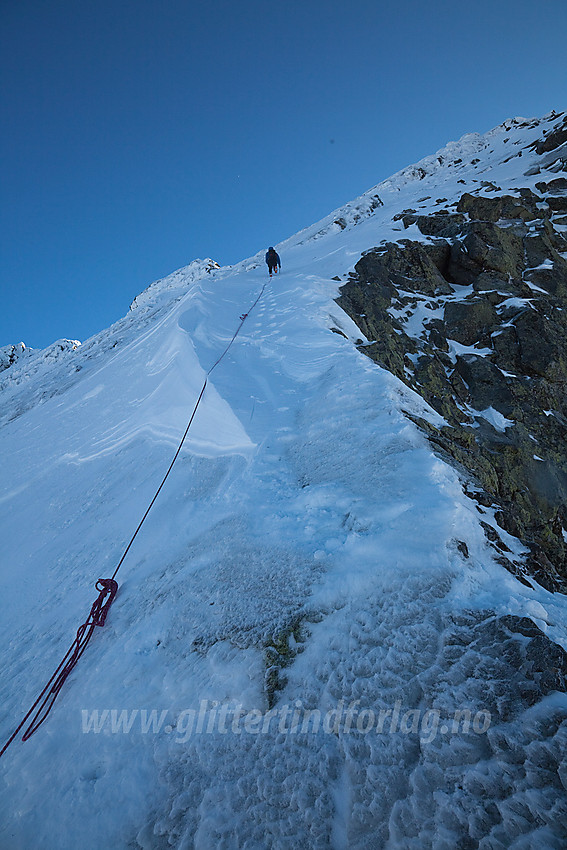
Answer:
x=138 y=135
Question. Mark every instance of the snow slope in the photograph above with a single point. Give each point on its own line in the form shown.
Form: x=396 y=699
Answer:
x=306 y=555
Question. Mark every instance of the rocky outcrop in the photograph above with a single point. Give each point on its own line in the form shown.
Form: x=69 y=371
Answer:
x=551 y=149
x=475 y=319
x=10 y=354
x=553 y=140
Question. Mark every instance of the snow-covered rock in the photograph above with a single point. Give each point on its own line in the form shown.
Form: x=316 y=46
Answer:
x=10 y=354
x=24 y=361
x=177 y=281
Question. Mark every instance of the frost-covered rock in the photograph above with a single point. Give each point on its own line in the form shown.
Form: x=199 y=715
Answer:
x=178 y=280
x=24 y=361
x=36 y=374
x=10 y=354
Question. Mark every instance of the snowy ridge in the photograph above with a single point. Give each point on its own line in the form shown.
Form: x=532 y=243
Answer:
x=22 y=362
x=434 y=170
x=309 y=557
x=176 y=281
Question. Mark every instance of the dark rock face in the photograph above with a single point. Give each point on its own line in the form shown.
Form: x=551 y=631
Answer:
x=553 y=140
x=491 y=358
x=503 y=206
x=558 y=184
x=469 y=321
x=406 y=266
x=439 y=224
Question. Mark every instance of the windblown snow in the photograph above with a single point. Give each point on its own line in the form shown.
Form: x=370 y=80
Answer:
x=301 y=654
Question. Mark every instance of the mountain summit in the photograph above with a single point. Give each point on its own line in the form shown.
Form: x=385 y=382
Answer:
x=343 y=623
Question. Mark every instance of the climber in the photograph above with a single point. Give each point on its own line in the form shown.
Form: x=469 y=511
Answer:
x=273 y=261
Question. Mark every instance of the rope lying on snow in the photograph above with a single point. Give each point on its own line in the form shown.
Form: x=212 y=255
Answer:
x=107 y=588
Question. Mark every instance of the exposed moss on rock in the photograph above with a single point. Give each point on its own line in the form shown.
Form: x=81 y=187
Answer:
x=279 y=653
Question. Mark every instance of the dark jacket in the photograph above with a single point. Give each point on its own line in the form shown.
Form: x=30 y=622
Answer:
x=272 y=259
